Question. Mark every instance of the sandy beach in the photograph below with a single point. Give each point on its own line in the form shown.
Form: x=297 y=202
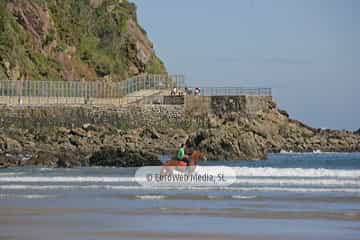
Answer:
x=312 y=196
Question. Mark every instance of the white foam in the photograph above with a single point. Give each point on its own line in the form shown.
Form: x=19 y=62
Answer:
x=9 y=174
x=67 y=187
x=242 y=197
x=150 y=197
x=120 y=188
x=240 y=172
x=27 y=196
x=46 y=169
x=248 y=182
x=299 y=182
x=299 y=190
x=295 y=172
x=37 y=196
x=285 y=152
x=314 y=152
x=215 y=197
x=67 y=179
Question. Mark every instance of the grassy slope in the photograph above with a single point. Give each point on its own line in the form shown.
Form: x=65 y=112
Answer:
x=98 y=35
x=14 y=41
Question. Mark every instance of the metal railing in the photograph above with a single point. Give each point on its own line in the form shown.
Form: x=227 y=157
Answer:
x=143 y=89
x=228 y=91
x=157 y=82
x=83 y=92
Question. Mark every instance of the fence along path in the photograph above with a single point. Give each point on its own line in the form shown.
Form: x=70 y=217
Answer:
x=145 y=89
x=86 y=92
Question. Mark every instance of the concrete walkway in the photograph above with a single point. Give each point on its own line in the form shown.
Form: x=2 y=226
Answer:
x=130 y=99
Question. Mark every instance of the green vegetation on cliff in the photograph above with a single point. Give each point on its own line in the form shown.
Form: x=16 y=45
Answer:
x=73 y=39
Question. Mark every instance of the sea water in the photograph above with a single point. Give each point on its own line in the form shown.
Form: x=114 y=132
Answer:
x=289 y=196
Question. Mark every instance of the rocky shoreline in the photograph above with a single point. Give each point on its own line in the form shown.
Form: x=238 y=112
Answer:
x=228 y=136
x=89 y=145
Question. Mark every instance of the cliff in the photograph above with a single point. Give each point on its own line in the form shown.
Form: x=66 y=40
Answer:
x=73 y=40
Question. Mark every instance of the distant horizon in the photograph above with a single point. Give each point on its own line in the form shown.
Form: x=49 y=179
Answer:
x=305 y=51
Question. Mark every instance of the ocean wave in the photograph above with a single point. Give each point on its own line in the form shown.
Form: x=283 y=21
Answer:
x=67 y=187
x=214 y=197
x=298 y=190
x=324 y=182
x=267 y=172
x=150 y=197
x=44 y=169
x=299 y=182
x=67 y=179
x=243 y=197
x=314 y=152
x=234 y=188
x=27 y=196
x=295 y=172
x=9 y=174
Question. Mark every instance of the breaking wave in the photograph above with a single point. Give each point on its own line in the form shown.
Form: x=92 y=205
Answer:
x=248 y=179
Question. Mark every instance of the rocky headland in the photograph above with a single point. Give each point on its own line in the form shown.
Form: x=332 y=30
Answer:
x=226 y=136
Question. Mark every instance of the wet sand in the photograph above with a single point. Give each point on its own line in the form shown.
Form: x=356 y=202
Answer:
x=175 y=223
x=6 y=214
x=154 y=235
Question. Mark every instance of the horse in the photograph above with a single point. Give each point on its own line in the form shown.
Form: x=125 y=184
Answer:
x=181 y=166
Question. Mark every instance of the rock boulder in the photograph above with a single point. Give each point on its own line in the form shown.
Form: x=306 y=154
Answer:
x=117 y=157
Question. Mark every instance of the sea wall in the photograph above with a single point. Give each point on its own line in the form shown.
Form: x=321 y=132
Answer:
x=197 y=106
x=76 y=116
x=241 y=104
x=193 y=111
x=247 y=105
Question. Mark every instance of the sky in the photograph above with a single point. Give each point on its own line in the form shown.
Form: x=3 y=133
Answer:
x=307 y=51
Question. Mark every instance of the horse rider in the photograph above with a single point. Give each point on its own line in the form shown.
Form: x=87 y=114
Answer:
x=181 y=156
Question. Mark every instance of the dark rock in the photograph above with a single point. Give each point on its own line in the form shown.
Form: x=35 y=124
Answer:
x=302 y=125
x=90 y=127
x=78 y=132
x=251 y=148
x=69 y=160
x=200 y=136
x=2 y=146
x=44 y=138
x=227 y=144
x=11 y=145
x=357 y=132
x=284 y=113
x=116 y=157
x=272 y=105
x=63 y=131
x=9 y=160
x=43 y=159
x=149 y=133
x=77 y=141
x=230 y=117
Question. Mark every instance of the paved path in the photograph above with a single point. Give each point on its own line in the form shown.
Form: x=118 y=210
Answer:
x=130 y=99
